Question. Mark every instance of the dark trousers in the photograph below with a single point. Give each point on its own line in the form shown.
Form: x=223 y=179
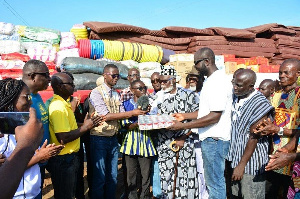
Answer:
x=80 y=182
x=132 y=163
x=63 y=170
x=277 y=185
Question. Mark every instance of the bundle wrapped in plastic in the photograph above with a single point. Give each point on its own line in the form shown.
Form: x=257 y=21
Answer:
x=9 y=64
x=35 y=44
x=83 y=65
x=66 y=53
x=130 y=63
x=14 y=37
x=67 y=41
x=42 y=34
x=87 y=81
x=43 y=54
x=9 y=46
x=146 y=66
x=7 y=28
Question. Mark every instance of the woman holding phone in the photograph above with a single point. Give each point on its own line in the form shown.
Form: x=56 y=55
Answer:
x=15 y=97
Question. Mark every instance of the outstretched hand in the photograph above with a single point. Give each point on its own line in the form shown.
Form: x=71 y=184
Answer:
x=178 y=116
x=176 y=126
x=48 y=151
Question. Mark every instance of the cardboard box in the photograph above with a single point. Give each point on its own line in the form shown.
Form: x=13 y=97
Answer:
x=275 y=68
x=230 y=67
x=255 y=68
x=265 y=68
x=183 y=68
x=181 y=57
x=229 y=57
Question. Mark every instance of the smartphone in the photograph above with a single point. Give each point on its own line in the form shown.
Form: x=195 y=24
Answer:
x=10 y=120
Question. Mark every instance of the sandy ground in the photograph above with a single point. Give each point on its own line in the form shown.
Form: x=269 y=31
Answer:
x=49 y=193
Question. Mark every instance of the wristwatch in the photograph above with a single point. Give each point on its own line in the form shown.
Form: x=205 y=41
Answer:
x=280 y=133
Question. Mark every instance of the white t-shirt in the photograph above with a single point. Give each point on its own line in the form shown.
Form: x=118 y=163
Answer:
x=216 y=95
x=31 y=177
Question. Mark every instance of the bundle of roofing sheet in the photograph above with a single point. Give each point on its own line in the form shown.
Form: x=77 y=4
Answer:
x=273 y=41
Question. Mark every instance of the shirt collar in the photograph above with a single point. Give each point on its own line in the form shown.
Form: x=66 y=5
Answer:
x=57 y=97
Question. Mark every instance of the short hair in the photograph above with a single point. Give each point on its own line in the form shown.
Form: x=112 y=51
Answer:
x=109 y=66
x=207 y=53
x=55 y=81
x=33 y=65
x=10 y=89
x=135 y=82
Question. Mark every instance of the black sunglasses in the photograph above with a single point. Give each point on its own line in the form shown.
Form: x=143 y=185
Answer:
x=46 y=74
x=113 y=75
x=141 y=88
x=69 y=83
x=154 y=80
x=199 y=60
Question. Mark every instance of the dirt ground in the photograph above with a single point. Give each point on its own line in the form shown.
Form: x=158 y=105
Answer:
x=48 y=188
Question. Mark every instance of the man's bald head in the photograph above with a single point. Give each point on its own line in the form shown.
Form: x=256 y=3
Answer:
x=204 y=60
x=58 y=79
x=267 y=87
x=244 y=83
x=295 y=63
x=289 y=72
x=133 y=75
x=247 y=75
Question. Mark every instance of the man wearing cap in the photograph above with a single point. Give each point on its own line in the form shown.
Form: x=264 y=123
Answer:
x=213 y=121
x=176 y=100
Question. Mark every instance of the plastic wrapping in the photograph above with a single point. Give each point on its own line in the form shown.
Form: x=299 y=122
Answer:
x=87 y=81
x=77 y=65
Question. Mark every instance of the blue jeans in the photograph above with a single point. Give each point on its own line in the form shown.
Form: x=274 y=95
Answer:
x=104 y=158
x=64 y=169
x=155 y=177
x=213 y=154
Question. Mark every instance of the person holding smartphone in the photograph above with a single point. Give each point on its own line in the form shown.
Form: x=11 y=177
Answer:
x=15 y=97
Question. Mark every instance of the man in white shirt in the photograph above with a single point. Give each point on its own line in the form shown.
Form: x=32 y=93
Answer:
x=213 y=121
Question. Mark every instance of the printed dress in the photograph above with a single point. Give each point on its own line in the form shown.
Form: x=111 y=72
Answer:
x=187 y=183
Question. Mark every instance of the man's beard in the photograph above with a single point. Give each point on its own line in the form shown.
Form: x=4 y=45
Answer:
x=167 y=89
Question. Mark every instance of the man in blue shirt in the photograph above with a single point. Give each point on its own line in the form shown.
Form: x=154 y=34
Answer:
x=36 y=76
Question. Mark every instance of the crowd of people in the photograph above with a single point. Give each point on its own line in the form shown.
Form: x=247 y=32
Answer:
x=228 y=139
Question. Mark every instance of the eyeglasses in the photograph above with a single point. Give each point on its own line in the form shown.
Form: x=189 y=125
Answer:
x=141 y=88
x=69 y=83
x=166 y=81
x=113 y=75
x=28 y=97
x=154 y=81
x=199 y=60
x=134 y=75
x=46 y=74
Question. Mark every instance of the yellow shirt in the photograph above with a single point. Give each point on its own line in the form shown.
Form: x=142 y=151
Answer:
x=61 y=120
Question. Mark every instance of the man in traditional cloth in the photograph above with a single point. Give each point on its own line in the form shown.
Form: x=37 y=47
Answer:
x=176 y=100
x=287 y=121
x=248 y=151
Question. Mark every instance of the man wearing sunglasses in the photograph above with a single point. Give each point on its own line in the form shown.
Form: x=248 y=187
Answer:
x=213 y=121
x=36 y=76
x=104 y=100
x=170 y=100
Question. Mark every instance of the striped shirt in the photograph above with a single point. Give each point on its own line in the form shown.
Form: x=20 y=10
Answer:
x=136 y=142
x=244 y=114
